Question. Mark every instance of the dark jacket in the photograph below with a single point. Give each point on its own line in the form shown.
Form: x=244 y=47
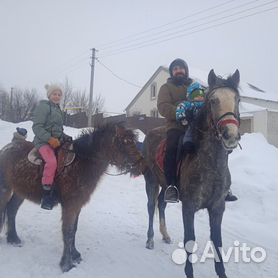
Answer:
x=47 y=122
x=169 y=96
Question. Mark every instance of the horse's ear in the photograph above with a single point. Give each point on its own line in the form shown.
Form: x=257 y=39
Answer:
x=211 y=78
x=236 y=78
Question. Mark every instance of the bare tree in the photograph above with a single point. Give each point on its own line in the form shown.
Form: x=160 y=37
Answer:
x=4 y=104
x=80 y=102
x=98 y=104
x=67 y=94
x=22 y=103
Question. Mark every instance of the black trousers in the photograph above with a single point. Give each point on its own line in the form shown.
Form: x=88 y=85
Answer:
x=170 y=161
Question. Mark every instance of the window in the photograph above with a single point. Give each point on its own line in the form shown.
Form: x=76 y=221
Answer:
x=153 y=91
x=154 y=113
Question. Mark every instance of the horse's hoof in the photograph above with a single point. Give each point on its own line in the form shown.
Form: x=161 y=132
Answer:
x=223 y=276
x=77 y=260
x=66 y=265
x=76 y=257
x=167 y=240
x=14 y=240
x=150 y=244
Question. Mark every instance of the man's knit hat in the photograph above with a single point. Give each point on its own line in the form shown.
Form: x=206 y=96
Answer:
x=178 y=62
x=51 y=88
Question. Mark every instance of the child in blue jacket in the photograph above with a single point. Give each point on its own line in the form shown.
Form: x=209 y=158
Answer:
x=188 y=110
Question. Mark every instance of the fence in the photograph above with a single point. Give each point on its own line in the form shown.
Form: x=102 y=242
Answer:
x=266 y=124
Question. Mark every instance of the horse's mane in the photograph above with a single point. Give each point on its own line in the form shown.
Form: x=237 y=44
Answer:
x=222 y=82
x=89 y=141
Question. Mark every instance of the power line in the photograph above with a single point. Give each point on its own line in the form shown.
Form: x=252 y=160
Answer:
x=105 y=45
x=187 y=29
x=182 y=25
x=146 y=44
x=171 y=36
x=73 y=67
x=81 y=55
x=177 y=28
x=71 y=63
x=117 y=76
x=71 y=60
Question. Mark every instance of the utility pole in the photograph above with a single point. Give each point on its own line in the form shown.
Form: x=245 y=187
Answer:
x=11 y=105
x=11 y=98
x=91 y=87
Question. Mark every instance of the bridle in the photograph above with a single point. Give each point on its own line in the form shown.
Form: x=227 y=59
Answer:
x=221 y=122
x=121 y=142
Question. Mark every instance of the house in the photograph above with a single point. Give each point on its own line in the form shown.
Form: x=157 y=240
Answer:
x=259 y=110
x=145 y=102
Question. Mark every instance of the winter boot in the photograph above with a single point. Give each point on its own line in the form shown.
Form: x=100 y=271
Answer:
x=49 y=197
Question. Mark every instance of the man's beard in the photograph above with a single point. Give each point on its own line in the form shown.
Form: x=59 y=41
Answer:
x=179 y=79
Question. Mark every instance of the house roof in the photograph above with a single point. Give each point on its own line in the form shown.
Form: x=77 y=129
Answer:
x=247 y=90
x=246 y=108
x=195 y=72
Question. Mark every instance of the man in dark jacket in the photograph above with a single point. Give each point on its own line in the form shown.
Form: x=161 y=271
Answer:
x=172 y=93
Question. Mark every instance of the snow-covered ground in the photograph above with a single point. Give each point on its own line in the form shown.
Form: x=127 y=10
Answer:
x=112 y=229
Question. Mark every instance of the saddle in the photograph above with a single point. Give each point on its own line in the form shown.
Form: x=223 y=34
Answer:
x=65 y=156
x=160 y=154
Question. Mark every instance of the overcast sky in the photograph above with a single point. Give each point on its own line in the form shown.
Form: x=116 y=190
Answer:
x=45 y=41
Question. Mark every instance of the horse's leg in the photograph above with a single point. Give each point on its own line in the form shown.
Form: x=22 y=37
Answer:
x=215 y=220
x=75 y=255
x=152 y=189
x=189 y=234
x=12 y=208
x=69 y=216
x=5 y=196
x=162 y=223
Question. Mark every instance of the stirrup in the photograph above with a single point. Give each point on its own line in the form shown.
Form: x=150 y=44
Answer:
x=172 y=199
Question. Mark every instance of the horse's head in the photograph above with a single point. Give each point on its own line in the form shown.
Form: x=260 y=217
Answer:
x=125 y=153
x=111 y=143
x=222 y=102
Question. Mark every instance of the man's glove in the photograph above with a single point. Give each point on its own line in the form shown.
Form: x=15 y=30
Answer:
x=180 y=112
x=185 y=111
x=54 y=142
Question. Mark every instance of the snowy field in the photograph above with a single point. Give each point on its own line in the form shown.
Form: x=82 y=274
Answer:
x=112 y=228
